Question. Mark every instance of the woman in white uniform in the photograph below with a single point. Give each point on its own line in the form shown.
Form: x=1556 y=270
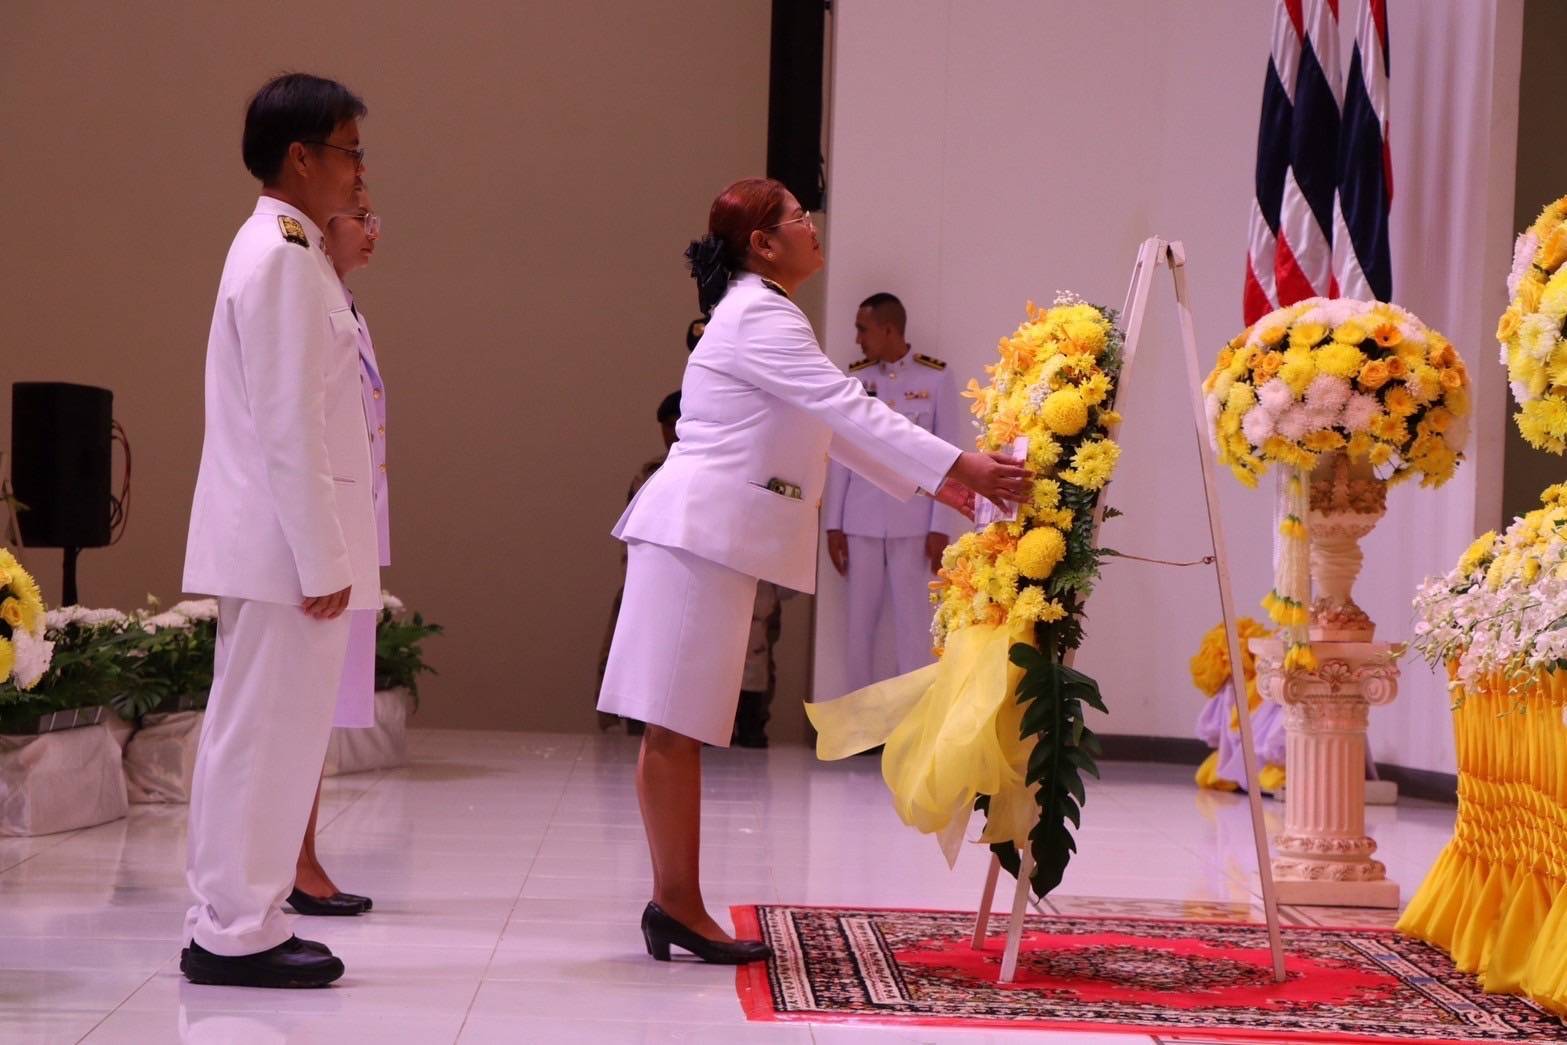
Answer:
x=350 y=240
x=738 y=499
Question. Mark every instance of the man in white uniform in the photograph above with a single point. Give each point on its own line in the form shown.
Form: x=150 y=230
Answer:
x=282 y=531
x=889 y=550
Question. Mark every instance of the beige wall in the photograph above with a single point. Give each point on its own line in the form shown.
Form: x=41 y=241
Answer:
x=540 y=167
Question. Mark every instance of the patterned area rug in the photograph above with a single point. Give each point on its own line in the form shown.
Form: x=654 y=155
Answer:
x=1121 y=974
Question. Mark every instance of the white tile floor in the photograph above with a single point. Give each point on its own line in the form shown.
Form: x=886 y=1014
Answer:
x=509 y=873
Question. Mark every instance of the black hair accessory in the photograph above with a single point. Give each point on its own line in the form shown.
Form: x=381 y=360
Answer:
x=710 y=268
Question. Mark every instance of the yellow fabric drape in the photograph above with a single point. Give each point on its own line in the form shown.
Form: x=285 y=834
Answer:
x=1496 y=898
x=951 y=734
x=1270 y=776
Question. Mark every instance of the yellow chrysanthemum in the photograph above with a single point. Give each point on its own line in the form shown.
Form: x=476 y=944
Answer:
x=1092 y=464
x=1030 y=605
x=1339 y=358
x=1094 y=389
x=7 y=659
x=1399 y=402
x=1478 y=554
x=1349 y=332
x=1065 y=412
x=1040 y=551
x=1307 y=335
x=1298 y=370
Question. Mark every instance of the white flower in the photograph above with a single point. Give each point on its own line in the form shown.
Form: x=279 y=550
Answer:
x=1257 y=426
x=1327 y=393
x=197 y=609
x=1537 y=335
x=1321 y=420
x=1275 y=396
x=1523 y=256
x=1359 y=412
x=161 y=621
x=391 y=602
x=1295 y=423
x=64 y=616
x=33 y=654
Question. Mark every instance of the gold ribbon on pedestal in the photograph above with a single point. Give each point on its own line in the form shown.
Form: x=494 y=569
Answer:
x=951 y=732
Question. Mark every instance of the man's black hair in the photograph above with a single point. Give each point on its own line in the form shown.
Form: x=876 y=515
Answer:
x=669 y=409
x=887 y=308
x=294 y=107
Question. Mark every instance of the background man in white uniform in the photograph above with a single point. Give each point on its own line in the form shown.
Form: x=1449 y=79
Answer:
x=282 y=530
x=889 y=550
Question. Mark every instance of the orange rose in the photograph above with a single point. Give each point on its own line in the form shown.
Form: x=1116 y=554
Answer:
x=1374 y=375
x=1396 y=367
x=1452 y=378
x=1507 y=326
x=1554 y=251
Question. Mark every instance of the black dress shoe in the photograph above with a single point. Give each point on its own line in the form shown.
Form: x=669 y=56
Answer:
x=363 y=901
x=660 y=932
x=327 y=907
x=289 y=964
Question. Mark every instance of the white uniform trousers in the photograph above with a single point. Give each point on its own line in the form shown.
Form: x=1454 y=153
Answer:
x=263 y=742
x=891 y=573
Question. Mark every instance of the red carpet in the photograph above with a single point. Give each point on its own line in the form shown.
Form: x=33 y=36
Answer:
x=1121 y=974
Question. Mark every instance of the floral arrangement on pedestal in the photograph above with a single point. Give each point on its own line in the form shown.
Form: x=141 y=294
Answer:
x=1530 y=330
x=25 y=653
x=998 y=724
x=1219 y=723
x=1366 y=381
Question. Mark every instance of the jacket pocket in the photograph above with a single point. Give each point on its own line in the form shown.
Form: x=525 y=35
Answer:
x=344 y=480
x=343 y=322
x=779 y=488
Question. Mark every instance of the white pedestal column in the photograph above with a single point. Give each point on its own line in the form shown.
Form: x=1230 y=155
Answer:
x=1323 y=858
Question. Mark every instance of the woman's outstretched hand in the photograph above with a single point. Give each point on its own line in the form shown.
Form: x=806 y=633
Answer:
x=994 y=476
x=954 y=494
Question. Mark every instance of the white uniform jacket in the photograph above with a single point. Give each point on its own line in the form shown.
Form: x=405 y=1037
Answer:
x=283 y=506
x=919 y=388
x=761 y=407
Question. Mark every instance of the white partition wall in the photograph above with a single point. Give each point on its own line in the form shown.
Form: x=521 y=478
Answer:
x=984 y=152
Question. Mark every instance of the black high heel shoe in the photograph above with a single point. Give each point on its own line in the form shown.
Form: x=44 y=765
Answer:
x=325 y=907
x=660 y=932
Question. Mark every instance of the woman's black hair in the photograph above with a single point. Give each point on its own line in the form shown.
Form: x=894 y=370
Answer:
x=711 y=267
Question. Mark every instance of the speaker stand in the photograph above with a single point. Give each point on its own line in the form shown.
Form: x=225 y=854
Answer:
x=68 y=583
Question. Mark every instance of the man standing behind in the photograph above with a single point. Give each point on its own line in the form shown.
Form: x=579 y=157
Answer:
x=890 y=550
x=282 y=531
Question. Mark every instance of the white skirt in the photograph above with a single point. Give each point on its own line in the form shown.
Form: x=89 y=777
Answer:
x=680 y=642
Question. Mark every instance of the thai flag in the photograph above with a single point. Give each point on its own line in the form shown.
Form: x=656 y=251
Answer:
x=1291 y=255
x=1362 y=265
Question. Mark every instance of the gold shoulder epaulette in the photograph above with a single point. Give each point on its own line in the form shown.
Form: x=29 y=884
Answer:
x=930 y=361
x=861 y=364
x=293 y=231
x=774 y=287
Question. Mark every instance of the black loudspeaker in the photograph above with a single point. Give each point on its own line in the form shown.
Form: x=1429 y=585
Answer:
x=60 y=439
x=794 y=99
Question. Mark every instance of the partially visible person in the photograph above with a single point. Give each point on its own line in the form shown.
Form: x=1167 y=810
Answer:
x=886 y=549
x=759 y=680
x=737 y=501
x=351 y=239
x=282 y=531
x=668 y=418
